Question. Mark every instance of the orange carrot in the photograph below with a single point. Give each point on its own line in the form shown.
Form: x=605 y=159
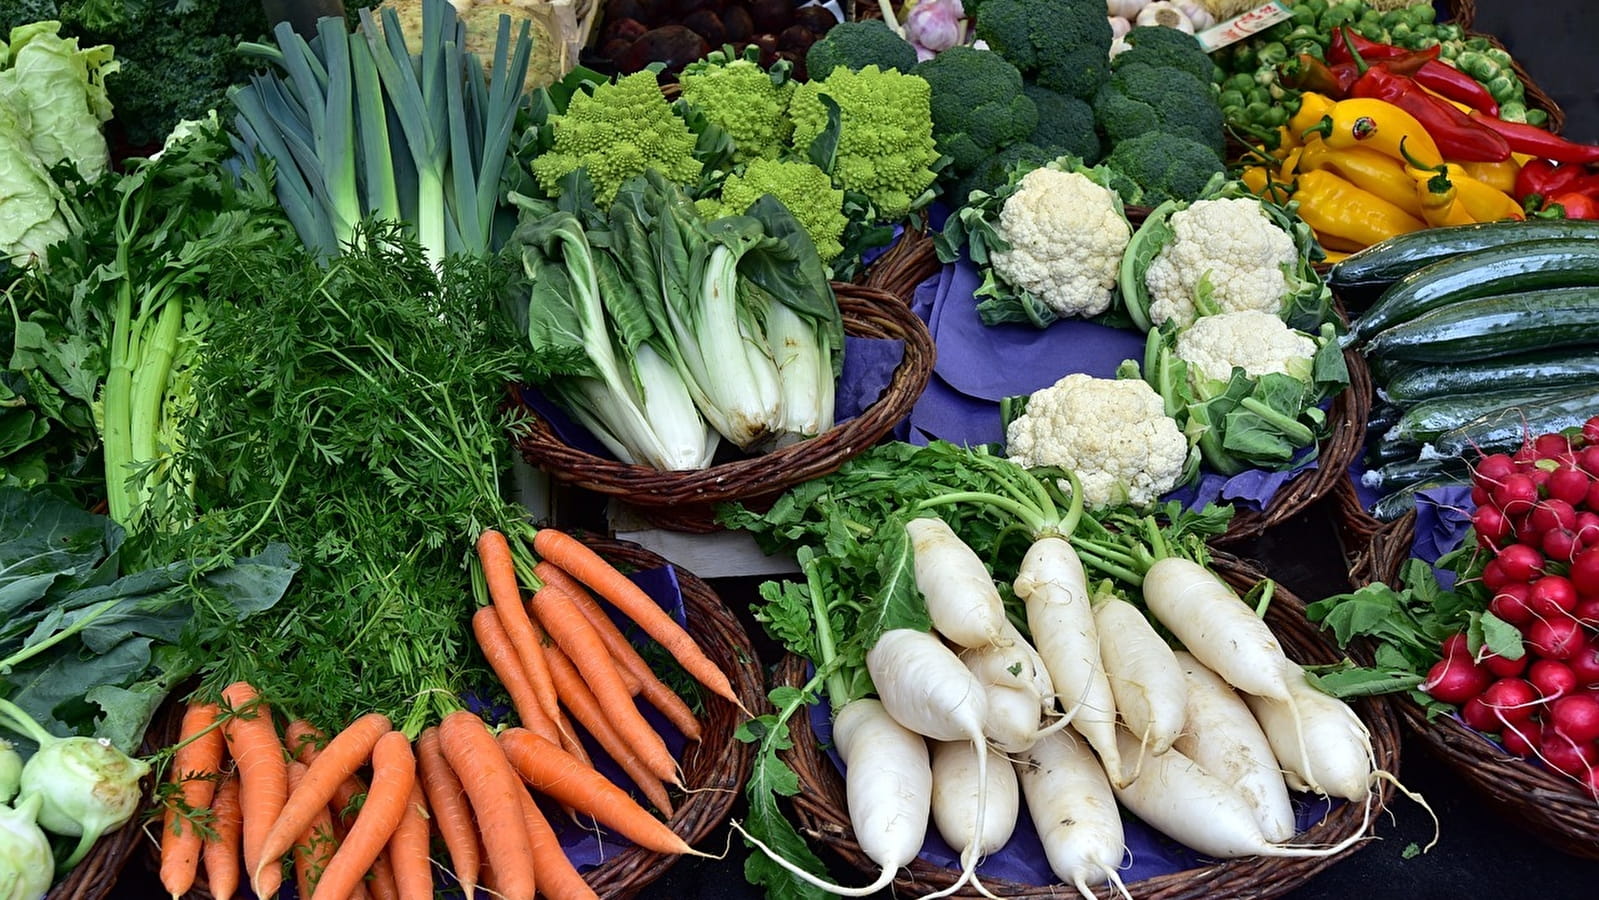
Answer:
x=582 y=646
x=586 y=566
x=315 y=846
x=343 y=799
x=553 y=771
x=577 y=697
x=382 y=883
x=491 y=786
x=558 y=878
x=494 y=556
x=408 y=849
x=303 y=740
x=222 y=854
x=263 y=778
x=348 y=751
x=393 y=776
x=451 y=814
x=571 y=744
x=506 y=662
x=651 y=687
x=194 y=772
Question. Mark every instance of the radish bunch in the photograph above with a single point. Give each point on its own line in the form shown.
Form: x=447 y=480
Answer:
x=1537 y=525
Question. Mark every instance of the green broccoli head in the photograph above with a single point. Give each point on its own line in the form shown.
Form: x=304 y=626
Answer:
x=1063 y=45
x=995 y=171
x=978 y=105
x=1065 y=125
x=747 y=101
x=1165 y=166
x=858 y=44
x=802 y=187
x=1157 y=45
x=885 y=143
x=621 y=130
x=1141 y=98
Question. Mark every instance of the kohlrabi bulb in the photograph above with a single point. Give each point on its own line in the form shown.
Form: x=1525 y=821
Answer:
x=88 y=786
x=10 y=771
x=26 y=866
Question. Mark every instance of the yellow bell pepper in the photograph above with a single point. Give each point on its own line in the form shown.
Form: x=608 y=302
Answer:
x=1501 y=176
x=1344 y=212
x=1364 y=122
x=1367 y=169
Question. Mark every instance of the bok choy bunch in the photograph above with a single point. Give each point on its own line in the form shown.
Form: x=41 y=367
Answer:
x=649 y=322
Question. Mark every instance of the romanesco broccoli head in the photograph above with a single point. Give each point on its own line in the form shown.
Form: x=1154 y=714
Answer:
x=746 y=100
x=1140 y=98
x=1063 y=45
x=802 y=187
x=856 y=45
x=978 y=105
x=621 y=130
x=885 y=146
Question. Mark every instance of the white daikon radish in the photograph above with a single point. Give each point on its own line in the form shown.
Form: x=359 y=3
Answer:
x=1145 y=680
x=961 y=598
x=1222 y=736
x=1335 y=756
x=1217 y=627
x=1020 y=693
x=956 y=791
x=1074 y=812
x=1052 y=583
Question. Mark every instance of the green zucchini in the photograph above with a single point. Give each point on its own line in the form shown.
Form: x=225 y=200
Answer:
x=1494 y=326
x=1381 y=452
x=1396 y=504
x=1431 y=418
x=1404 y=472
x=1383 y=417
x=1539 y=368
x=1507 y=429
x=1572 y=262
x=1361 y=277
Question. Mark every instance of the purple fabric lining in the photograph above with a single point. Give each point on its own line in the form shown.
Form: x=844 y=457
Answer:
x=1443 y=516
x=979 y=365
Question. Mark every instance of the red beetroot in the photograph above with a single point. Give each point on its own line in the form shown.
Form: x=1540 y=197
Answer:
x=1551 y=678
x=1559 y=638
x=1455 y=679
x=1576 y=717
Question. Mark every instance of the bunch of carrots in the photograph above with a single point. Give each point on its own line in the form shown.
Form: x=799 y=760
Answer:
x=302 y=794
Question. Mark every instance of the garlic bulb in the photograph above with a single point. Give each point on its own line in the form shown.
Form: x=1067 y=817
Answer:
x=1197 y=14
x=1125 y=9
x=1165 y=14
x=1118 y=46
x=1119 y=26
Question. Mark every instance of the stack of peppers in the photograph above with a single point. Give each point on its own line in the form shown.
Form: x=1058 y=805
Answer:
x=1405 y=142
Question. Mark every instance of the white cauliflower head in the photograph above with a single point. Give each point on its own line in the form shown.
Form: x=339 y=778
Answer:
x=1066 y=235
x=1256 y=341
x=1231 y=246
x=1114 y=434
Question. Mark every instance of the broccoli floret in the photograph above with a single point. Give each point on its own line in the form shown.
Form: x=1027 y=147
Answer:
x=800 y=186
x=1165 y=166
x=621 y=130
x=858 y=44
x=993 y=172
x=1156 y=45
x=885 y=143
x=1065 y=124
x=1063 y=45
x=978 y=104
x=1140 y=98
x=748 y=102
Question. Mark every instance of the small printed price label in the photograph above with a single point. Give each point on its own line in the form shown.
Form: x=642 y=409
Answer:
x=1241 y=26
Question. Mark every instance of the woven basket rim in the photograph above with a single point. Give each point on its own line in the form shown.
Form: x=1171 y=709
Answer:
x=1551 y=806
x=820 y=805
x=96 y=875
x=715 y=769
x=867 y=311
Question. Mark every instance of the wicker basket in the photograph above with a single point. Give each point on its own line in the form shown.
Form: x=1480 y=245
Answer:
x=686 y=501
x=1549 y=805
x=714 y=769
x=821 y=810
x=97 y=874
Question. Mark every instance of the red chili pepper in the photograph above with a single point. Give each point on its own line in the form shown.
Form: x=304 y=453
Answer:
x=1544 y=178
x=1575 y=205
x=1456 y=85
x=1307 y=73
x=1458 y=137
x=1531 y=139
x=1340 y=50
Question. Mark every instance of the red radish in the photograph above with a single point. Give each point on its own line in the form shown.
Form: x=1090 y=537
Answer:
x=1516 y=494
x=1592 y=500
x=1591 y=782
x=1494 y=468
x=1551 y=596
x=1552 y=513
x=1585 y=663
x=1576 y=717
x=1501 y=667
x=1584 y=571
x=1590 y=430
x=1551 y=445
x=1510 y=603
x=1511 y=700
x=1520 y=562
x=1455 y=645
x=1587 y=527
x=1587 y=611
x=1568 y=485
x=1588 y=459
x=1551 y=678
x=1559 y=543
x=1555 y=638
x=1521 y=738
x=1479 y=716
x=1456 y=680
x=1566 y=755
x=1493 y=526
x=1540 y=477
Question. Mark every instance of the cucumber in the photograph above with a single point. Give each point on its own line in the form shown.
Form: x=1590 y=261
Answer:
x=1396 y=504
x=1380 y=452
x=1507 y=429
x=1383 y=417
x=1494 y=326
x=1571 y=262
x=1360 y=277
x=1539 y=368
x=1431 y=418
x=1404 y=473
